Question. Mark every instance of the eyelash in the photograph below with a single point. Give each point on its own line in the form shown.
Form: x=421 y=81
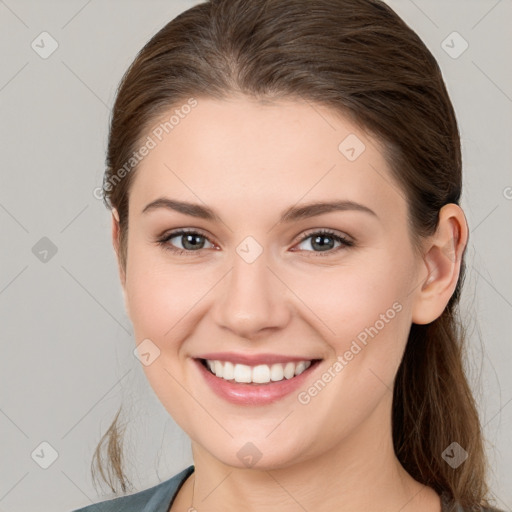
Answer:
x=163 y=241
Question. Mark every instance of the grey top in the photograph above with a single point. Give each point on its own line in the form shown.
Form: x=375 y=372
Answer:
x=160 y=497
x=155 y=499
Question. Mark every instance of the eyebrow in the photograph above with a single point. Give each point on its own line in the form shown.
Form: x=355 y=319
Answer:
x=293 y=213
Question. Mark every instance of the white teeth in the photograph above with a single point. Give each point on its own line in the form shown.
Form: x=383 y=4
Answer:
x=289 y=370
x=218 y=368
x=260 y=374
x=276 y=372
x=300 y=368
x=242 y=372
x=228 y=372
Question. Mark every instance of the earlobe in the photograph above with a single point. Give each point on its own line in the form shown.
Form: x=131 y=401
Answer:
x=441 y=261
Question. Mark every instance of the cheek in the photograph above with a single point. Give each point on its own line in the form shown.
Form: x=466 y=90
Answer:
x=156 y=297
x=159 y=306
x=364 y=316
x=347 y=300
x=160 y=300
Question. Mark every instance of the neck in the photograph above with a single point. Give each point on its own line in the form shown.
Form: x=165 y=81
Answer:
x=359 y=473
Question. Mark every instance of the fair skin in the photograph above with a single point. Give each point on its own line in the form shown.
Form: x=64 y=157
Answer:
x=249 y=162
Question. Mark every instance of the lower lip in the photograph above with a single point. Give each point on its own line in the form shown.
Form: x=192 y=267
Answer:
x=254 y=394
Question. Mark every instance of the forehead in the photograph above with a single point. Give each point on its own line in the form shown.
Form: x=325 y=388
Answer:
x=249 y=155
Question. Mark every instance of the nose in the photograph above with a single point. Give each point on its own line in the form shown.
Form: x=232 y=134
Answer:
x=252 y=300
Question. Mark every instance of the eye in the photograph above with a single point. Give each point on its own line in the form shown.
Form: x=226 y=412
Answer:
x=321 y=239
x=191 y=241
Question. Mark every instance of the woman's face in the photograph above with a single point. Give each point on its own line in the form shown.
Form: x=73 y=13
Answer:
x=260 y=283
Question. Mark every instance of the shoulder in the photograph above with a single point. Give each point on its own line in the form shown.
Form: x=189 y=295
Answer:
x=155 y=499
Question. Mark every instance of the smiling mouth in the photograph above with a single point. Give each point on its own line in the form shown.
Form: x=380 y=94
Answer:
x=258 y=374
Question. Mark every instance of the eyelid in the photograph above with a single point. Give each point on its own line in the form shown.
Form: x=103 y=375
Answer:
x=333 y=232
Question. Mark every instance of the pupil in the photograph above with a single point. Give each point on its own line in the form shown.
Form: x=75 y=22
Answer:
x=321 y=240
x=191 y=238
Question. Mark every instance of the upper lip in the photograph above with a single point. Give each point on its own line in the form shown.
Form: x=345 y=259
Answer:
x=254 y=359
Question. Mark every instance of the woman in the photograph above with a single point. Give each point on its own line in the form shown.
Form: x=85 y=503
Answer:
x=284 y=178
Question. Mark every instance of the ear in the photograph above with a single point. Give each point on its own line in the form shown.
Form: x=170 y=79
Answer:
x=116 y=243
x=441 y=265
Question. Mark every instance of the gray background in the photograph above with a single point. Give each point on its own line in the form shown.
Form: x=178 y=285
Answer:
x=67 y=360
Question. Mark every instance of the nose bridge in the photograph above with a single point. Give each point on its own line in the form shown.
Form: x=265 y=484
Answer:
x=252 y=298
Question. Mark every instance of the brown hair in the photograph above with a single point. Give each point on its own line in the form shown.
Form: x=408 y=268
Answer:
x=358 y=58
